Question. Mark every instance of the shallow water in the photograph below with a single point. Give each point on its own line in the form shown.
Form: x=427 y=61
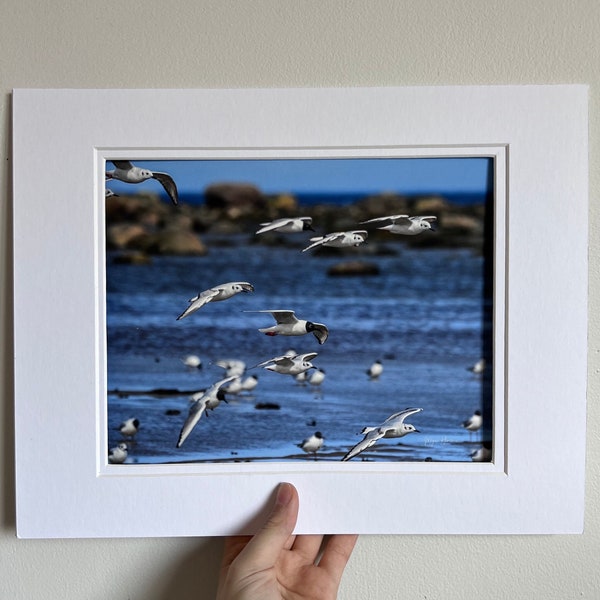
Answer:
x=423 y=317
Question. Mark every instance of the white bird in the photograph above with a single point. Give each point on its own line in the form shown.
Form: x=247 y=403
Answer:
x=233 y=367
x=216 y=294
x=289 y=365
x=375 y=370
x=302 y=378
x=473 y=423
x=207 y=400
x=478 y=368
x=118 y=454
x=249 y=383
x=392 y=427
x=405 y=225
x=127 y=172
x=339 y=239
x=239 y=385
x=312 y=444
x=287 y=225
x=483 y=454
x=129 y=427
x=289 y=324
x=317 y=377
x=192 y=361
x=109 y=193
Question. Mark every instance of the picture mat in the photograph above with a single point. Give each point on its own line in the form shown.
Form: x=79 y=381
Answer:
x=66 y=132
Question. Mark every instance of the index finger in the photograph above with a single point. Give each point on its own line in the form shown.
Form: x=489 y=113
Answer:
x=336 y=554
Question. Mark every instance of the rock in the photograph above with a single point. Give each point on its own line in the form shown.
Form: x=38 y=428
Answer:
x=352 y=268
x=236 y=200
x=132 y=258
x=181 y=243
x=120 y=235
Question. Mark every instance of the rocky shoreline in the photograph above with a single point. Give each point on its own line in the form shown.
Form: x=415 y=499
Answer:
x=140 y=226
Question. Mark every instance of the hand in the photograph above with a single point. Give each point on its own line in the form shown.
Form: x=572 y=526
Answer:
x=277 y=565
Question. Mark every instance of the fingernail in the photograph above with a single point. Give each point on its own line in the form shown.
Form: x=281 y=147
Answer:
x=284 y=494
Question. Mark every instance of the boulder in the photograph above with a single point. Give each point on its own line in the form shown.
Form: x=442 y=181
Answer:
x=353 y=268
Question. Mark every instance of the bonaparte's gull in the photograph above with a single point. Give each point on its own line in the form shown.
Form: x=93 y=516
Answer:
x=405 y=225
x=479 y=367
x=239 y=385
x=192 y=361
x=339 y=239
x=317 y=377
x=129 y=173
x=216 y=294
x=483 y=454
x=473 y=423
x=208 y=400
x=129 y=427
x=392 y=427
x=249 y=383
x=312 y=444
x=375 y=370
x=289 y=324
x=289 y=365
x=287 y=225
x=118 y=454
x=233 y=367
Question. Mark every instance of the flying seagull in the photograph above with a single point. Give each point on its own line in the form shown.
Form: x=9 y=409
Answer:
x=289 y=365
x=339 y=239
x=127 y=172
x=208 y=400
x=405 y=225
x=392 y=427
x=287 y=225
x=289 y=324
x=215 y=294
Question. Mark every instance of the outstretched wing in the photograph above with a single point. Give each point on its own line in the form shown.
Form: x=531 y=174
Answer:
x=125 y=165
x=196 y=411
x=392 y=218
x=399 y=417
x=321 y=332
x=273 y=225
x=319 y=241
x=370 y=438
x=169 y=184
x=199 y=301
x=429 y=218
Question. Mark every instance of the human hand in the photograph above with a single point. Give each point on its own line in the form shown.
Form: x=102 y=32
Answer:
x=274 y=564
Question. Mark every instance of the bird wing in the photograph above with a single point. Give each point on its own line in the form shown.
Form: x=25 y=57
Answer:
x=196 y=411
x=397 y=418
x=370 y=438
x=318 y=241
x=302 y=357
x=362 y=232
x=199 y=301
x=286 y=361
x=321 y=332
x=169 y=184
x=427 y=218
x=390 y=218
x=125 y=165
x=273 y=225
x=281 y=316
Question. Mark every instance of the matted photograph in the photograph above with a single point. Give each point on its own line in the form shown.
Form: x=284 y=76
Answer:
x=299 y=310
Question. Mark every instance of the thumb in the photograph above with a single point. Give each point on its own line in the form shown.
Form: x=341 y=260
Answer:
x=264 y=548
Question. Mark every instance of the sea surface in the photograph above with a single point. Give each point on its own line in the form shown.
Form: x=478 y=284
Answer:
x=422 y=316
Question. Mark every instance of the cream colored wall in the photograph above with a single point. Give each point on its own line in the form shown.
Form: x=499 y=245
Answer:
x=276 y=43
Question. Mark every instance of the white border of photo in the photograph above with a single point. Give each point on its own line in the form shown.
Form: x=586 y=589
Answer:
x=537 y=136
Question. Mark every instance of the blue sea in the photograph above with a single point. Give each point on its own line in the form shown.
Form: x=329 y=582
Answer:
x=423 y=316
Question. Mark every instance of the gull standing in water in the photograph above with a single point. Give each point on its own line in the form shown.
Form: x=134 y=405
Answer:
x=129 y=427
x=289 y=324
x=339 y=239
x=207 y=400
x=118 y=454
x=473 y=423
x=478 y=368
x=392 y=427
x=129 y=173
x=193 y=361
x=287 y=225
x=405 y=225
x=312 y=444
x=216 y=294
x=289 y=365
x=375 y=370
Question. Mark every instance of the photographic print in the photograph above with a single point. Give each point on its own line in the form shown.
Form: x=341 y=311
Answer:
x=281 y=310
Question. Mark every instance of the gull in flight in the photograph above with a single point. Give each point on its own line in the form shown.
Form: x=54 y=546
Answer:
x=287 y=225
x=289 y=365
x=339 y=239
x=215 y=294
x=118 y=454
x=289 y=324
x=129 y=427
x=203 y=401
x=405 y=225
x=127 y=172
x=312 y=444
x=392 y=427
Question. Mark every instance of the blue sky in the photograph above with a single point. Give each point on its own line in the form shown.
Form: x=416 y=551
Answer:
x=401 y=175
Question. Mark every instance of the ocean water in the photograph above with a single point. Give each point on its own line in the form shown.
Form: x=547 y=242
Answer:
x=423 y=316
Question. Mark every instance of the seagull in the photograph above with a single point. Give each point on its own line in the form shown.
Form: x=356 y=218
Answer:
x=392 y=427
x=483 y=454
x=312 y=444
x=301 y=378
x=287 y=225
x=473 y=423
x=192 y=361
x=405 y=225
x=478 y=368
x=317 y=377
x=233 y=367
x=215 y=294
x=118 y=454
x=127 y=172
x=289 y=324
x=249 y=383
x=375 y=370
x=129 y=427
x=239 y=385
x=339 y=239
x=207 y=400
x=289 y=365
